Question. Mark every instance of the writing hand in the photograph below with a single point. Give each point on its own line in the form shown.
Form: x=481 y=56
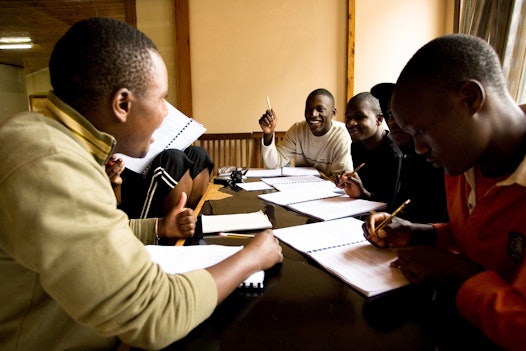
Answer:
x=398 y=233
x=266 y=249
x=351 y=183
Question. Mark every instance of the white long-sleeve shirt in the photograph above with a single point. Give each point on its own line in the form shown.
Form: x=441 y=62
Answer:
x=329 y=153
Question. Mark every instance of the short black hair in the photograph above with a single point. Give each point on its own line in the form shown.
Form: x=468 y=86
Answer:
x=383 y=92
x=321 y=91
x=368 y=97
x=97 y=57
x=446 y=62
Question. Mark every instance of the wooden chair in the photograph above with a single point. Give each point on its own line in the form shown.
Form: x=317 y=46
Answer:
x=258 y=137
x=227 y=149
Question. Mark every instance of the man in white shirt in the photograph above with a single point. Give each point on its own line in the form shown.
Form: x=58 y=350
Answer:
x=318 y=141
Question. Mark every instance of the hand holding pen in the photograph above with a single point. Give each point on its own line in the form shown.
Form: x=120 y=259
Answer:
x=268 y=122
x=344 y=178
x=398 y=234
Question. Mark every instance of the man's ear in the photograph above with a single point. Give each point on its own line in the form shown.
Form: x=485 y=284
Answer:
x=334 y=112
x=379 y=118
x=473 y=95
x=121 y=104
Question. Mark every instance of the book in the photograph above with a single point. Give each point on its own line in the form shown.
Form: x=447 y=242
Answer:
x=336 y=207
x=232 y=222
x=282 y=172
x=181 y=259
x=177 y=131
x=299 y=179
x=340 y=248
x=322 y=202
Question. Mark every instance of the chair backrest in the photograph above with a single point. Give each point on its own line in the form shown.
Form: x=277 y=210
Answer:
x=234 y=149
x=227 y=149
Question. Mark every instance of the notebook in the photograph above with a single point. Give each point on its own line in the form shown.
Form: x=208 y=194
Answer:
x=181 y=259
x=340 y=248
x=282 y=172
x=177 y=131
x=322 y=202
x=233 y=222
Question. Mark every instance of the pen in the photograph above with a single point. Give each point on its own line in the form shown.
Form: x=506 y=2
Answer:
x=236 y=235
x=395 y=212
x=338 y=183
x=268 y=104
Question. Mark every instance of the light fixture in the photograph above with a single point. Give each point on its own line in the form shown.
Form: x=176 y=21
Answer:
x=13 y=43
x=15 y=46
x=15 y=40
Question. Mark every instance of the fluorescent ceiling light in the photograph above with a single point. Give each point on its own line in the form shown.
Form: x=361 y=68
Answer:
x=15 y=40
x=15 y=46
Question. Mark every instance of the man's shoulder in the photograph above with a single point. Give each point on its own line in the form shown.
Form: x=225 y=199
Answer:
x=389 y=144
x=33 y=134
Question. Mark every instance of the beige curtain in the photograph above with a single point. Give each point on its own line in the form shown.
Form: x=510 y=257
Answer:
x=501 y=24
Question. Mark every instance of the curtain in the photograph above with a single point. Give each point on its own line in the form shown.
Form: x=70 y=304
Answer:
x=501 y=24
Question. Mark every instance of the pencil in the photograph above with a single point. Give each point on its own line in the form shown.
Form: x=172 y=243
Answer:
x=391 y=216
x=268 y=104
x=236 y=235
x=324 y=176
x=337 y=181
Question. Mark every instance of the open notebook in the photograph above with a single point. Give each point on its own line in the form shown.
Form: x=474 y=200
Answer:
x=282 y=172
x=181 y=259
x=340 y=248
x=316 y=200
x=177 y=131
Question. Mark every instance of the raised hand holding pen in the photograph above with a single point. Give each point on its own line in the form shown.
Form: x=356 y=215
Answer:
x=268 y=122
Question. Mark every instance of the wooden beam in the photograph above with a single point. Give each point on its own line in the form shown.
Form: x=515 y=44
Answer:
x=183 y=76
x=350 y=48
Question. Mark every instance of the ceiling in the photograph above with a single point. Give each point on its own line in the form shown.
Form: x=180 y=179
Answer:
x=46 y=21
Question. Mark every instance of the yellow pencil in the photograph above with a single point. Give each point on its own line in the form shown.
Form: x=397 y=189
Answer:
x=390 y=218
x=236 y=235
x=337 y=181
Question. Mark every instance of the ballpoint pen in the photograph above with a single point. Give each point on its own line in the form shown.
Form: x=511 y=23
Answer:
x=391 y=216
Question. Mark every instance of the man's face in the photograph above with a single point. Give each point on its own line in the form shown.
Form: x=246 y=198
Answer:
x=319 y=111
x=440 y=126
x=399 y=136
x=146 y=112
x=361 y=121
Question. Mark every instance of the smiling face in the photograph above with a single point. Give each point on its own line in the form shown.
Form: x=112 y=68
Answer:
x=441 y=127
x=319 y=111
x=361 y=121
x=146 y=112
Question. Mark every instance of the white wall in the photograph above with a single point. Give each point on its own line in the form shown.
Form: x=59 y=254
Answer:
x=389 y=32
x=244 y=50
